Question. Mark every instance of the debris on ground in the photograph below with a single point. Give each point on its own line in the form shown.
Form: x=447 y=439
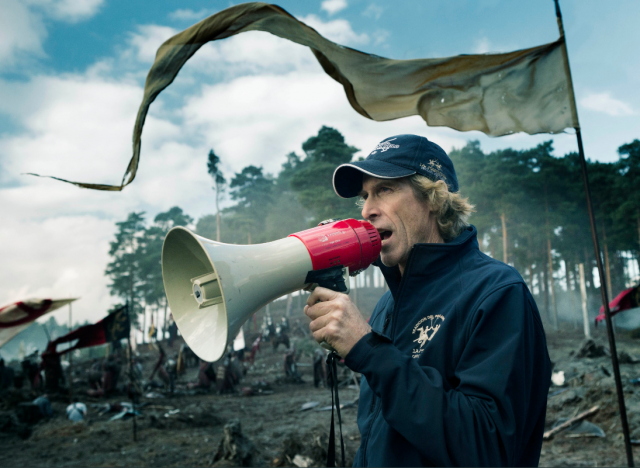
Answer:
x=590 y=349
x=235 y=448
x=76 y=411
x=307 y=449
x=567 y=423
x=626 y=358
x=309 y=405
x=557 y=378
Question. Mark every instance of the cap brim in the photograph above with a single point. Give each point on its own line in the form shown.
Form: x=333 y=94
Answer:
x=347 y=178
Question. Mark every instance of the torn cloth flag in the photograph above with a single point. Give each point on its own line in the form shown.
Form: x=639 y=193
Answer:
x=113 y=327
x=18 y=316
x=523 y=91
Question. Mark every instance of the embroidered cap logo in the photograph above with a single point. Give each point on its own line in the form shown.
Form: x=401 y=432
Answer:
x=384 y=146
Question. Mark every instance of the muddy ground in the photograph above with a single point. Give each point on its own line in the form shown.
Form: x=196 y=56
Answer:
x=278 y=428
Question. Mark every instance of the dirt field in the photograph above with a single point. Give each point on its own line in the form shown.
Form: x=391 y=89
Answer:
x=278 y=428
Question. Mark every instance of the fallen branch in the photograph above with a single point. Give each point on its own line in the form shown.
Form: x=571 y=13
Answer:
x=551 y=432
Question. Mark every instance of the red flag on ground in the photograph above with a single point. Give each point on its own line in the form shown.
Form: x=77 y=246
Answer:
x=627 y=299
x=113 y=327
x=18 y=316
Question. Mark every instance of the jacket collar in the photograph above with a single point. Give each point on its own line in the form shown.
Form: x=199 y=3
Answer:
x=428 y=259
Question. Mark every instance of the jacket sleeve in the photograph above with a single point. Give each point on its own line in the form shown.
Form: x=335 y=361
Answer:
x=483 y=419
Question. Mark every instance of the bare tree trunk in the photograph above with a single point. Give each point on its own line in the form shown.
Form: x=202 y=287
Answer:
x=606 y=259
x=551 y=285
x=505 y=255
x=530 y=264
x=164 y=324
x=569 y=280
x=144 y=324
x=289 y=305
x=545 y=284
x=217 y=214
x=588 y=270
x=583 y=294
x=638 y=222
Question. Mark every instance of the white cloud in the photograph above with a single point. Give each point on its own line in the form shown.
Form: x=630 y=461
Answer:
x=373 y=11
x=22 y=29
x=69 y=10
x=333 y=6
x=21 y=32
x=339 y=31
x=482 y=46
x=271 y=97
x=380 y=36
x=148 y=38
x=605 y=103
x=189 y=15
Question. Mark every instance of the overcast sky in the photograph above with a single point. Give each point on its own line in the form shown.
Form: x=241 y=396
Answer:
x=71 y=78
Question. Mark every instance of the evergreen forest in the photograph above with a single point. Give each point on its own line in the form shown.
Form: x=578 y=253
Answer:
x=530 y=213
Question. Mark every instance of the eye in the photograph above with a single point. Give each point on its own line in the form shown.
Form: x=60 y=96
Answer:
x=384 y=190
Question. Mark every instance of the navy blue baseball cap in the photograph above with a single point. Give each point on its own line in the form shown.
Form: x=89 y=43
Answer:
x=395 y=157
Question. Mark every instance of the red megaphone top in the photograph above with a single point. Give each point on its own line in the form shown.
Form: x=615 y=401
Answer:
x=349 y=242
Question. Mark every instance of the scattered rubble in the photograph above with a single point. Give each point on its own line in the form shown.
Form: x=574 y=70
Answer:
x=590 y=349
x=235 y=448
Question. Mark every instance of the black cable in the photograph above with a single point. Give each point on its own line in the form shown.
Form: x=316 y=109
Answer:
x=332 y=359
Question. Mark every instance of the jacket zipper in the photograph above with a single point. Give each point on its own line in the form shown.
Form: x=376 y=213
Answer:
x=387 y=320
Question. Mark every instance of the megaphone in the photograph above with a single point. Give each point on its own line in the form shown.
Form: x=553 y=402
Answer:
x=213 y=288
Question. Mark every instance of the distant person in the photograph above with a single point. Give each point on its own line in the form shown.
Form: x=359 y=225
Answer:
x=454 y=362
x=44 y=405
x=76 y=411
x=206 y=376
x=6 y=376
x=319 y=368
x=173 y=333
x=53 y=374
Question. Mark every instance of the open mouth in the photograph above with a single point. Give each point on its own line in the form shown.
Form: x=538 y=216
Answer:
x=384 y=235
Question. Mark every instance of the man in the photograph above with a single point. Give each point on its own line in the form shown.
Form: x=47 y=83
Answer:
x=454 y=358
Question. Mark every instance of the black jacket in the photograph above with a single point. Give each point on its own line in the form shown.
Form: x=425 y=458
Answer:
x=456 y=370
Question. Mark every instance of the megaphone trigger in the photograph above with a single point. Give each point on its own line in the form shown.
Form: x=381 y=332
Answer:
x=335 y=278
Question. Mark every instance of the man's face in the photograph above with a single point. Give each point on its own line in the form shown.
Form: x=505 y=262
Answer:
x=399 y=216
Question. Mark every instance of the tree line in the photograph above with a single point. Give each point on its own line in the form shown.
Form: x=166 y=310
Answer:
x=530 y=213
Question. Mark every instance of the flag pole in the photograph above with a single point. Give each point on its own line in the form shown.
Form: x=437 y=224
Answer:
x=132 y=387
x=70 y=376
x=596 y=246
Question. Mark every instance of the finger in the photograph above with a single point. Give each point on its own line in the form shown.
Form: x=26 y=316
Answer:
x=322 y=308
x=320 y=322
x=321 y=295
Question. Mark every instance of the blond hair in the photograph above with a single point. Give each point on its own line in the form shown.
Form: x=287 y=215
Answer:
x=451 y=209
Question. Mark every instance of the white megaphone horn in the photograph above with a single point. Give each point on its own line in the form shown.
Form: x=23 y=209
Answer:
x=213 y=288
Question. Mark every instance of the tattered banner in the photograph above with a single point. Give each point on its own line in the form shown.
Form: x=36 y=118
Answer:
x=523 y=91
x=113 y=327
x=18 y=316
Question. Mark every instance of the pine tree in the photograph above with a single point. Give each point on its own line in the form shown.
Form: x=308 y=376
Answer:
x=219 y=182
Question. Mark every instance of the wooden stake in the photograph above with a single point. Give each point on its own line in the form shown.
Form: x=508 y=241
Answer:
x=551 y=432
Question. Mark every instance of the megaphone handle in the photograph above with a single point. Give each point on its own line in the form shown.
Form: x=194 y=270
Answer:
x=327 y=346
x=334 y=278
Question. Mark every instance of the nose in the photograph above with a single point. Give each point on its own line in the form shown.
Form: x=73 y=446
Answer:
x=369 y=210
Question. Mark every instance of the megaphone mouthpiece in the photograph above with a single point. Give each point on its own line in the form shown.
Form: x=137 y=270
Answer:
x=213 y=288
